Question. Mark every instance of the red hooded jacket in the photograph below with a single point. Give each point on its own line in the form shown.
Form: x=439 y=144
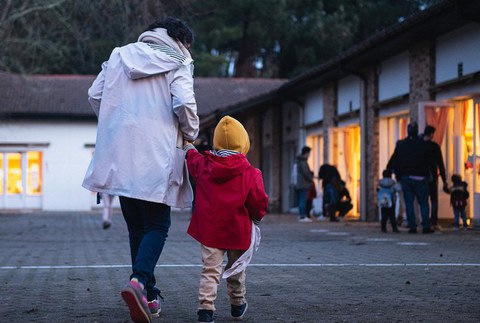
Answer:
x=229 y=192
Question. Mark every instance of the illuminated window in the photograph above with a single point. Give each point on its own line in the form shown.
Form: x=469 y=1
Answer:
x=14 y=173
x=34 y=172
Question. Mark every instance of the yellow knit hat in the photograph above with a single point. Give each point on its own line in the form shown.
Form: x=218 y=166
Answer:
x=230 y=134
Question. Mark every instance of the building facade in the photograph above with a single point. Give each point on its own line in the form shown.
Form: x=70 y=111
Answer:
x=48 y=133
x=354 y=108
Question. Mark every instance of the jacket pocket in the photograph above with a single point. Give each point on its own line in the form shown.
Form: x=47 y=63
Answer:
x=177 y=178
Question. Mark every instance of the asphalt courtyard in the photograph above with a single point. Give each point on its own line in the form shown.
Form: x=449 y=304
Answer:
x=62 y=267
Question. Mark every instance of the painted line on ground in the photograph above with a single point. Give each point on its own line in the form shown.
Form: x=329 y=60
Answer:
x=338 y=234
x=413 y=243
x=257 y=265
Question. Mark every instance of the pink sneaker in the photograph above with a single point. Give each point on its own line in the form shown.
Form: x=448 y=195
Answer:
x=154 y=307
x=133 y=296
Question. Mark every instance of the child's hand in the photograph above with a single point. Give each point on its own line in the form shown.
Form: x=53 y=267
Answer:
x=255 y=221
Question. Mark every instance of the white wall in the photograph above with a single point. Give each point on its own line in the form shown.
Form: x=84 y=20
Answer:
x=65 y=160
x=313 y=108
x=348 y=94
x=393 y=78
x=459 y=46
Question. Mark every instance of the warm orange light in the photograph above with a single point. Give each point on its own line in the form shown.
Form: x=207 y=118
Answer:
x=14 y=173
x=34 y=172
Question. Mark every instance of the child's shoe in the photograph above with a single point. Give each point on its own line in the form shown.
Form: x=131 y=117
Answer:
x=205 y=316
x=133 y=296
x=154 y=307
x=238 y=311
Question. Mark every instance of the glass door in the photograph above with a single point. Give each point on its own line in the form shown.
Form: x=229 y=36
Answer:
x=345 y=148
x=21 y=180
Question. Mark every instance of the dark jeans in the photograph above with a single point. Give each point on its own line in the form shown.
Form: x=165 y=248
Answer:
x=330 y=201
x=388 y=213
x=433 y=194
x=459 y=213
x=302 y=202
x=148 y=224
x=415 y=188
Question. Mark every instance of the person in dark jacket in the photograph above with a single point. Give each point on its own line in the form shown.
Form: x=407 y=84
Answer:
x=409 y=163
x=436 y=167
x=459 y=200
x=344 y=200
x=327 y=173
x=304 y=183
x=330 y=183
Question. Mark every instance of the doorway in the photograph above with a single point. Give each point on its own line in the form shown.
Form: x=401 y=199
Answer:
x=21 y=178
x=345 y=148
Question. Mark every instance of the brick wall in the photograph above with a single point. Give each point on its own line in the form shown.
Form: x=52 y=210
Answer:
x=422 y=72
x=329 y=116
x=372 y=143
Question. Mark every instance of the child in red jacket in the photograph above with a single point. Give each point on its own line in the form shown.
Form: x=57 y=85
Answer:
x=229 y=196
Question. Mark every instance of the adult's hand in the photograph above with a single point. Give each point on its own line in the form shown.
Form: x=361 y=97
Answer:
x=445 y=188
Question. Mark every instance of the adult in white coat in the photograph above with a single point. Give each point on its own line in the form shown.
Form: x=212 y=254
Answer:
x=146 y=108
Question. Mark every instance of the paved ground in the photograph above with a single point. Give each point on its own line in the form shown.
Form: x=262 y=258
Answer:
x=62 y=267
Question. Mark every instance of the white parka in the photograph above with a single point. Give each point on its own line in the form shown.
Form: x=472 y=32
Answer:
x=145 y=105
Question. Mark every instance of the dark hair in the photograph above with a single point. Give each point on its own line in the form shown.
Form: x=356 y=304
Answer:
x=429 y=130
x=176 y=28
x=456 y=178
x=305 y=150
x=387 y=173
x=412 y=129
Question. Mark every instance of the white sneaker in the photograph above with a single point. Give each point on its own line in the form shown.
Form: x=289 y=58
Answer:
x=304 y=220
x=321 y=218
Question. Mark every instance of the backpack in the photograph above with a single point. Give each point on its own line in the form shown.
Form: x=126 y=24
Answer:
x=385 y=196
x=294 y=175
x=458 y=198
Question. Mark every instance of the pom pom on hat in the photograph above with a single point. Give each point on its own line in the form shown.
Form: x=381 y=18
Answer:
x=230 y=134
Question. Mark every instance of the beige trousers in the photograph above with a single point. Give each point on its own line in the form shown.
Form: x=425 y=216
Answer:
x=212 y=259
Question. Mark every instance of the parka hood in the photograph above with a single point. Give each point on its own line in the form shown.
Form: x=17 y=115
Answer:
x=226 y=168
x=386 y=182
x=154 y=53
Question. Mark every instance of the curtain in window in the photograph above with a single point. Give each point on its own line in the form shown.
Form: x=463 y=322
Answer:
x=437 y=117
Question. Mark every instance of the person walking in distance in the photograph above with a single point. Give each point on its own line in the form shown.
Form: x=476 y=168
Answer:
x=409 y=163
x=145 y=104
x=458 y=200
x=386 y=196
x=107 y=201
x=304 y=183
x=436 y=167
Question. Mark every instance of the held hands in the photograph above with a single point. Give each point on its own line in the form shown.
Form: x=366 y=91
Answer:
x=445 y=188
